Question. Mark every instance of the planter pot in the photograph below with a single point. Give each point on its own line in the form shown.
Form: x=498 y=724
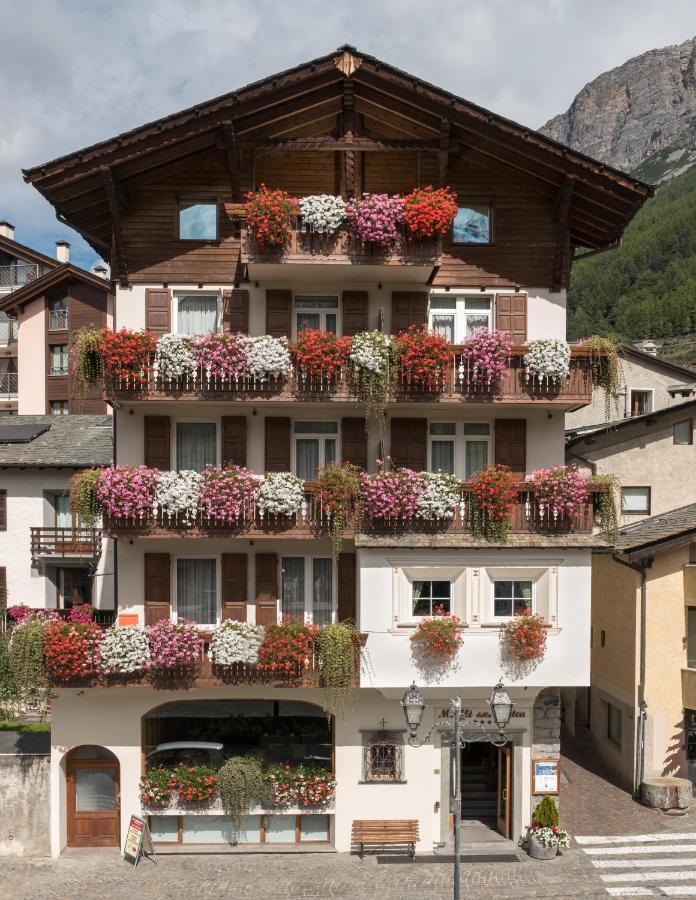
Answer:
x=538 y=851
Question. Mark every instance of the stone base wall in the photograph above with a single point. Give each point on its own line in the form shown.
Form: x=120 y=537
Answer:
x=546 y=734
x=25 y=805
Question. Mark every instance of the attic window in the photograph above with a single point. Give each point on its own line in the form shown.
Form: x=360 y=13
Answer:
x=472 y=225
x=198 y=220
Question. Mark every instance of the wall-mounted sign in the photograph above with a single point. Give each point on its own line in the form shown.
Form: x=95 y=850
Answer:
x=545 y=776
x=138 y=842
x=480 y=715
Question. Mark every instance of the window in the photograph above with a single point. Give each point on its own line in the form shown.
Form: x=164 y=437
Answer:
x=315 y=447
x=511 y=598
x=59 y=359
x=476 y=447
x=614 y=724
x=457 y=318
x=198 y=220
x=641 y=403
x=635 y=500
x=383 y=757
x=60 y=407
x=197 y=314
x=691 y=637
x=442 y=436
x=431 y=598
x=58 y=314
x=316 y=313
x=196 y=591
x=683 y=432
x=307 y=589
x=74 y=587
x=472 y=225
x=62 y=511
x=196 y=445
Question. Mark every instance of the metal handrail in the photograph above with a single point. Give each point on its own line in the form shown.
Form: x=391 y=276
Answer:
x=18 y=274
x=9 y=384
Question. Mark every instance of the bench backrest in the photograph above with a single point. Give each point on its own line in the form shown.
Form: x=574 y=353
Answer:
x=390 y=829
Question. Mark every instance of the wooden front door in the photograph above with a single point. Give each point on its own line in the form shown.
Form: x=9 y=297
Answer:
x=93 y=803
x=504 y=790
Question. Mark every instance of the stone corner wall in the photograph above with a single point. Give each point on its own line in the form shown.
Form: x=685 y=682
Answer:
x=25 y=805
x=546 y=730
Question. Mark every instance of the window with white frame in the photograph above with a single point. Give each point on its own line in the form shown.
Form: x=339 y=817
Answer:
x=512 y=597
x=477 y=439
x=307 y=589
x=196 y=590
x=457 y=318
x=197 y=313
x=196 y=445
x=635 y=500
x=59 y=359
x=431 y=597
x=316 y=312
x=316 y=445
x=441 y=441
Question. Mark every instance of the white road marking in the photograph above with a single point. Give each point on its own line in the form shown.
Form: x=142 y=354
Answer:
x=650 y=876
x=631 y=892
x=635 y=838
x=643 y=863
x=627 y=851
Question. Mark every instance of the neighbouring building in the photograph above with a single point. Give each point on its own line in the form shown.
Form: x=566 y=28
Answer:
x=164 y=205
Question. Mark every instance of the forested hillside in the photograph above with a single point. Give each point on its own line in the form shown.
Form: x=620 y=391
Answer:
x=646 y=288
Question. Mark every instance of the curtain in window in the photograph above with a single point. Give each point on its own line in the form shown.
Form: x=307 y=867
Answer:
x=196 y=595
x=197 y=315
x=292 y=600
x=442 y=453
x=322 y=584
x=63 y=512
x=307 y=451
x=196 y=445
x=476 y=457
x=444 y=324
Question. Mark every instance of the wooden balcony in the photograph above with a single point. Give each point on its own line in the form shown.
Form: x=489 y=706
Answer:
x=50 y=544
x=515 y=387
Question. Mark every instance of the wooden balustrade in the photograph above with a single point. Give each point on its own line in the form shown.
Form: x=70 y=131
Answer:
x=56 y=543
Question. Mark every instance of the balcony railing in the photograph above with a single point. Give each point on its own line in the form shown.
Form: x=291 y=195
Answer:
x=18 y=274
x=102 y=617
x=8 y=386
x=515 y=386
x=62 y=543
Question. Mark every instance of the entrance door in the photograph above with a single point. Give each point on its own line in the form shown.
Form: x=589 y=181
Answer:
x=93 y=798
x=504 y=789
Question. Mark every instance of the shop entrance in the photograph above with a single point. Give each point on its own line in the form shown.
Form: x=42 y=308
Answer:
x=486 y=783
x=93 y=797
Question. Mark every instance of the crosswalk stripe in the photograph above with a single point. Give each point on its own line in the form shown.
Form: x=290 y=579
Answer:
x=631 y=891
x=643 y=863
x=650 y=876
x=683 y=890
x=635 y=838
x=627 y=851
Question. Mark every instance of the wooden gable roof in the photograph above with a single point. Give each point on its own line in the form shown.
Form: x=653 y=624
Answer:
x=346 y=100
x=64 y=272
x=21 y=251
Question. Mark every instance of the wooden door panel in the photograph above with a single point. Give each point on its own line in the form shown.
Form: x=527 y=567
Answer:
x=92 y=828
x=504 y=790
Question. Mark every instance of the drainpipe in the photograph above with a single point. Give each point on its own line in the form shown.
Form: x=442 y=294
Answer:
x=641 y=569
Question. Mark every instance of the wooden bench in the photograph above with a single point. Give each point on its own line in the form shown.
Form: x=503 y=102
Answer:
x=383 y=832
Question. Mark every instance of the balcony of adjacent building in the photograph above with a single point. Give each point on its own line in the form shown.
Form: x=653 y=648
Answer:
x=17 y=274
x=60 y=545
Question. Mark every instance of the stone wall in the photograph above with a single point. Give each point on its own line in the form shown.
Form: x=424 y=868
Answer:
x=546 y=734
x=24 y=805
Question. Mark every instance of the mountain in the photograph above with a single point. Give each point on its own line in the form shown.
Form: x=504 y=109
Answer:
x=639 y=117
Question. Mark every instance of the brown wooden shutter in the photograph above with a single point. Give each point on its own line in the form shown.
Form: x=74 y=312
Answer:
x=234 y=441
x=278 y=313
x=408 y=308
x=511 y=445
x=3 y=510
x=409 y=444
x=277 y=444
x=158 y=604
x=158 y=310
x=3 y=587
x=235 y=312
x=354 y=441
x=354 y=312
x=266 y=588
x=157 y=433
x=511 y=316
x=347 y=587
x=234 y=586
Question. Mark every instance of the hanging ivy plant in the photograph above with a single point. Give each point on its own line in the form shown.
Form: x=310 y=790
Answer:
x=605 y=508
x=26 y=660
x=83 y=496
x=336 y=655
x=87 y=358
x=370 y=355
x=338 y=491
x=605 y=365
x=242 y=785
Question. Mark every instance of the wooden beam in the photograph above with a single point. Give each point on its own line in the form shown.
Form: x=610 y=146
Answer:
x=443 y=153
x=349 y=172
x=99 y=244
x=561 y=204
x=233 y=156
x=118 y=251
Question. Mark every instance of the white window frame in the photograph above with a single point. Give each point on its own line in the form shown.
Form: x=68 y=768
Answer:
x=64 y=407
x=441 y=438
x=477 y=438
x=407 y=574
x=316 y=311
x=218 y=587
x=181 y=295
x=640 y=390
x=459 y=311
x=513 y=578
x=308 y=572
x=66 y=356
x=321 y=438
x=648 y=496
x=175 y=438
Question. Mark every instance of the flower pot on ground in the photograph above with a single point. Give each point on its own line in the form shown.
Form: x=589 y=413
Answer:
x=422 y=358
x=269 y=215
x=544 y=837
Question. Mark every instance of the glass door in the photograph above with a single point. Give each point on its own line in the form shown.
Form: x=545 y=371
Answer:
x=93 y=798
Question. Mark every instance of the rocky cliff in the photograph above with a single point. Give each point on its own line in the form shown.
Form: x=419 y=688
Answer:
x=640 y=117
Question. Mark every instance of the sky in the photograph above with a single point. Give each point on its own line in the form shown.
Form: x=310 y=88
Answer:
x=79 y=71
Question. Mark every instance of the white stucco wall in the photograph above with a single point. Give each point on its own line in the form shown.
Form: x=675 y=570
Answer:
x=31 y=359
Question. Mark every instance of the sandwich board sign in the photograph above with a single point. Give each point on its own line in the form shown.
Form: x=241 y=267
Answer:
x=138 y=842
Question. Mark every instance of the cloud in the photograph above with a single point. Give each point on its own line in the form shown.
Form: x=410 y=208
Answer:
x=79 y=71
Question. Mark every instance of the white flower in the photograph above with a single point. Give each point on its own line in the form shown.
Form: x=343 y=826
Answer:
x=280 y=494
x=440 y=496
x=174 y=357
x=371 y=351
x=178 y=496
x=548 y=358
x=124 y=650
x=268 y=356
x=236 y=642
x=323 y=212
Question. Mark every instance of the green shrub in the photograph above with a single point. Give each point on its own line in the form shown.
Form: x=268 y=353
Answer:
x=546 y=813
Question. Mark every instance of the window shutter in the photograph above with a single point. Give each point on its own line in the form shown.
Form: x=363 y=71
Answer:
x=266 y=588
x=354 y=441
x=234 y=440
x=3 y=510
x=277 y=444
x=278 y=307
x=354 y=312
x=347 y=584
x=409 y=444
x=234 y=586
x=158 y=311
x=511 y=316
x=511 y=445
x=408 y=308
x=3 y=587
x=158 y=603
x=235 y=312
x=157 y=438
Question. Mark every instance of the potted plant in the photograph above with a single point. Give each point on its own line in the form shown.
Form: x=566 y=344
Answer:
x=438 y=636
x=547 y=361
x=83 y=496
x=560 y=491
x=242 y=785
x=195 y=785
x=173 y=646
x=86 y=358
x=127 y=492
x=370 y=356
x=493 y=493
x=319 y=355
x=280 y=494
x=124 y=650
x=543 y=836
x=269 y=216
x=322 y=213
x=391 y=496
x=227 y=494
x=175 y=359
x=422 y=357
x=178 y=497
x=484 y=358
x=336 y=648
x=429 y=212
x=605 y=366
x=71 y=650
x=127 y=355
x=337 y=492
x=222 y=357
x=268 y=357
x=376 y=218
x=157 y=788
x=287 y=648
x=236 y=643
x=524 y=636
x=439 y=497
